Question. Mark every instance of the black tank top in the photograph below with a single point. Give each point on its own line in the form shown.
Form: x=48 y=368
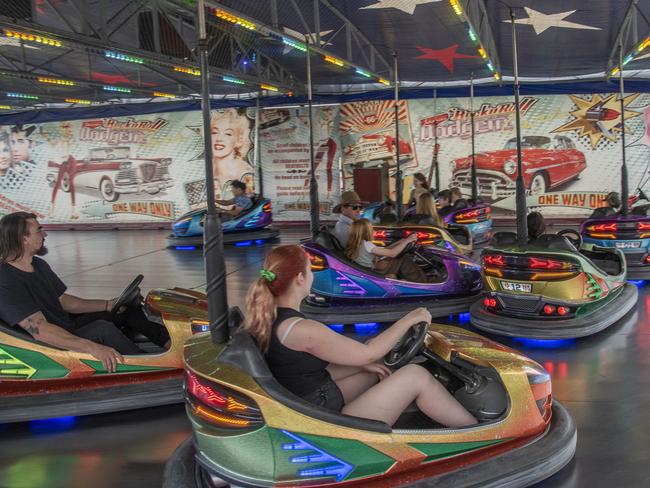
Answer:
x=299 y=372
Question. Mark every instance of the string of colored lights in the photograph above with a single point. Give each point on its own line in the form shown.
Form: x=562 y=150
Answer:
x=458 y=10
x=631 y=55
x=231 y=17
x=141 y=60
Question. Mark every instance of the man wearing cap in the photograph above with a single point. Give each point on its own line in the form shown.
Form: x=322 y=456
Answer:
x=350 y=208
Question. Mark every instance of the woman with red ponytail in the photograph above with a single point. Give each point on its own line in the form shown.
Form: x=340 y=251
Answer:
x=329 y=369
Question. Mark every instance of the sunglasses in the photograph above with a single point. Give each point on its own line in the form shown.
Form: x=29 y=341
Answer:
x=355 y=207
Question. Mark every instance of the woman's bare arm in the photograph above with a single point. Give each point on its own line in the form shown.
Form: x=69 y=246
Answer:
x=317 y=339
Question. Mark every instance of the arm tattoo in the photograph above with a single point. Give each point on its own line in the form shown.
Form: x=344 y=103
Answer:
x=32 y=326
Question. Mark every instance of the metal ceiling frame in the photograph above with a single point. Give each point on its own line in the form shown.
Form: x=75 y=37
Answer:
x=352 y=33
x=478 y=19
x=628 y=36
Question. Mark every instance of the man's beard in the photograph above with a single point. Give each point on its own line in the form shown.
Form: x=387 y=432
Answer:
x=42 y=251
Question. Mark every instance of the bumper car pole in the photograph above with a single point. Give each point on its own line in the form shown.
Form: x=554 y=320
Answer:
x=625 y=191
x=522 y=225
x=257 y=149
x=313 y=182
x=471 y=118
x=398 y=174
x=215 y=268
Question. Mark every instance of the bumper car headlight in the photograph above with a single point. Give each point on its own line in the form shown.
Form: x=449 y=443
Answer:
x=509 y=167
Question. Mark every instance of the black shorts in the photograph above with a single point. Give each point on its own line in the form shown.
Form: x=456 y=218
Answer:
x=327 y=396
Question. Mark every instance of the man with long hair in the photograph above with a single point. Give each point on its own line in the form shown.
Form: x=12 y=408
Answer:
x=33 y=297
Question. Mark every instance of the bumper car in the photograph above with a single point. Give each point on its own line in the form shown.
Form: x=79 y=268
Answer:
x=467 y=226
x=476 y=219
x=550 y=290
x=240 y=413
x=41 y=381
x=454 y=238
x=252 y=226
x=345 y=291
x=629 y=233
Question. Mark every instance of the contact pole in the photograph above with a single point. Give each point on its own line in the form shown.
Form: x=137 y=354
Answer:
x=313 y=182
x=520 y=195
x=398 y=175
x=215 y=268
x=256 y=142
x=625 y=191
x=434 y=161
x=471 y=118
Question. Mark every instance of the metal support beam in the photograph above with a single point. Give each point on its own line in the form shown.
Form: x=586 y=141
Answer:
x=477 y=17
x=624 y=37
x=313 y=182
x=520 y=188
x=398 y=174
x=215 y=267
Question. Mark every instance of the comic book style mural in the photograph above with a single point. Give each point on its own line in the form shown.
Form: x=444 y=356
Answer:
x=140 y=168
x=284 y=152
x=571 y=147
x=149 y=168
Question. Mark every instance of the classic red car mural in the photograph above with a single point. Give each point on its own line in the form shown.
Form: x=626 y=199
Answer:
x=546 y=163
x=372 y=147
x=113 y=171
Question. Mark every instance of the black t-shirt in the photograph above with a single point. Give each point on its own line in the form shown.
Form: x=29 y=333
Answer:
x=23 y=293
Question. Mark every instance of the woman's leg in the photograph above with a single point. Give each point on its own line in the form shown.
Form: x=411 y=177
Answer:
x=351 y=380
x=388 y=399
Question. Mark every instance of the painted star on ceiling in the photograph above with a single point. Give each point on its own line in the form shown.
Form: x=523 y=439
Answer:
x=599 y=117
x=445 y=56
x=541 y=21
x=407 y=6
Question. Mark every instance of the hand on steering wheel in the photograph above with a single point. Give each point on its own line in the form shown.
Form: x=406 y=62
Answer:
x=573 y=236
x=130 y=294
x=407 y=347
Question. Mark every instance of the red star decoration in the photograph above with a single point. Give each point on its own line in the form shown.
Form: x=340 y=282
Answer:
x=110 y=79
x=446 y=56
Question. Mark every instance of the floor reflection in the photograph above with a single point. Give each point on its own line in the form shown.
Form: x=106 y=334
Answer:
x=604 y=380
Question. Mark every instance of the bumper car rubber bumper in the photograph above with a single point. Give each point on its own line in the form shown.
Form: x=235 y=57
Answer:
x=228 y=238
x=638 y=272
x=87 y=400
x=385 y=310
x=523 y=466
x=582 y=325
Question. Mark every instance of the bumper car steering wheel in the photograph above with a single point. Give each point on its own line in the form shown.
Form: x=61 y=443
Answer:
x=407 y=347
x=410 y=247
x=573 y=236
x=130 y=296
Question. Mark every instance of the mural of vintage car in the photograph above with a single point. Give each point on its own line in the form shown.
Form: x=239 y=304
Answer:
x=372 y=147
x=113 y=172
x=547 y=163
x=273 y=117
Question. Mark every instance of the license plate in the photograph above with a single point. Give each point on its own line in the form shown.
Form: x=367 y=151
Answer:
x=628 y=244
x=523 y=287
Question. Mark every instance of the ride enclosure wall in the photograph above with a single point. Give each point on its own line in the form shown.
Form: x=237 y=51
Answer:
x=149 y=168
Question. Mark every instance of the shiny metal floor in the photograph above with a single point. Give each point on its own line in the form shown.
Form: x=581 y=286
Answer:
x=604 y=380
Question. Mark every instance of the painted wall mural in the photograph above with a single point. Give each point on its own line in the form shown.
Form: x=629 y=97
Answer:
x=149 y=168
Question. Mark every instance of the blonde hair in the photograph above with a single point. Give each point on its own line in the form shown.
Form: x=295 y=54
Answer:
x=240 y=125
x=426 y=206
x=360 y=230
x=284 y=263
